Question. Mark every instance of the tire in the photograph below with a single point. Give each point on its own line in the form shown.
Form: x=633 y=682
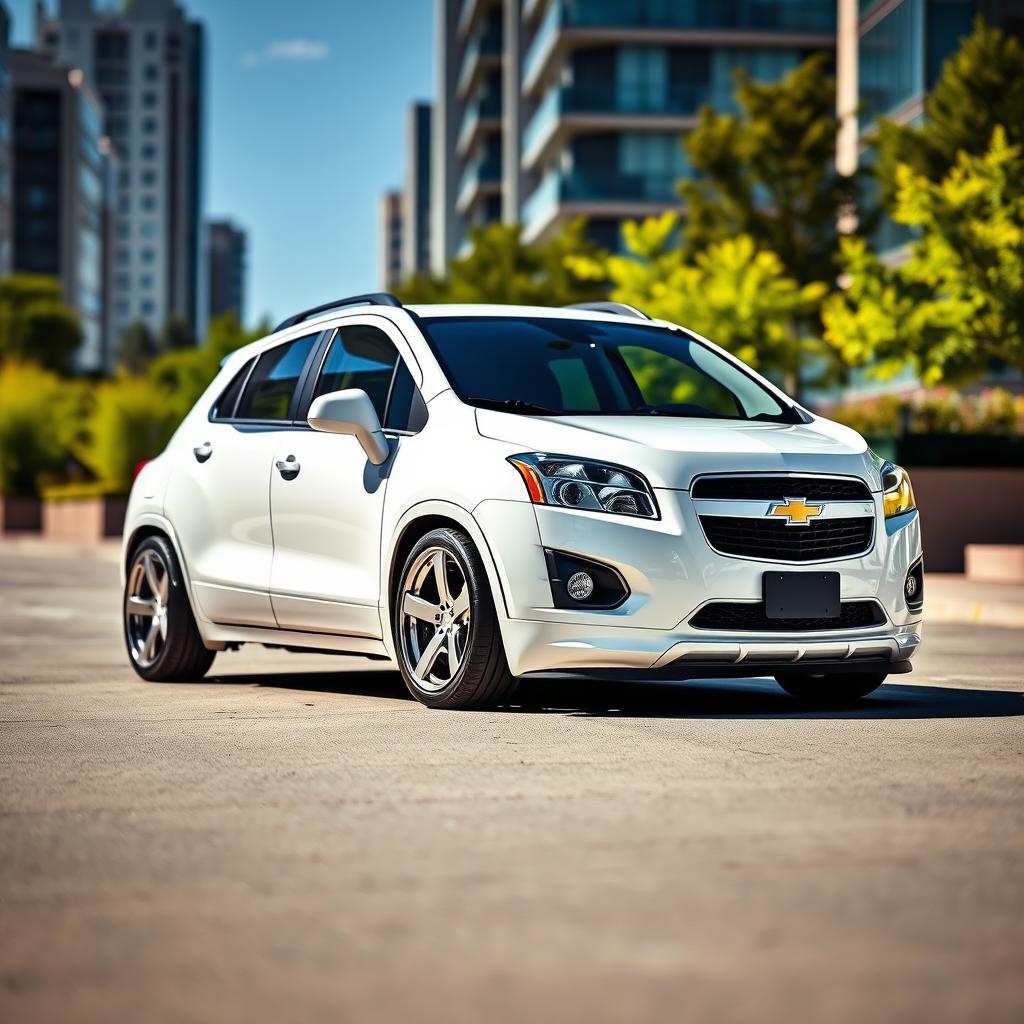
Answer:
x=159 y=629
x=831 y=690
x=433 y=629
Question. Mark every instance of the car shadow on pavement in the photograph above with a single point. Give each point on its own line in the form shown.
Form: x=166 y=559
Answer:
x=733 y=698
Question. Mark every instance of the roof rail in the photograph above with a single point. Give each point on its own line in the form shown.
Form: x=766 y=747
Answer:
x=369 y=299
x=621 y=308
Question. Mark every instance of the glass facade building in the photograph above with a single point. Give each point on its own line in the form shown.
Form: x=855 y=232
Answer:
x=583 y=110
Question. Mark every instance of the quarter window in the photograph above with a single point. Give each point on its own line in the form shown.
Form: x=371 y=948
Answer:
x=225 y=407
x=268 y=395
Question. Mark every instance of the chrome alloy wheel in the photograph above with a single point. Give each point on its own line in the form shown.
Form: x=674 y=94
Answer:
x=145 y=607
x=434 y=628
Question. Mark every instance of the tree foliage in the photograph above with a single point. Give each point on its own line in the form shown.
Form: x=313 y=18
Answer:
x=737 y=295
x=502 y=268
x=35 y=324
x=769 y=172
x=136 y=347
x=980 y=86
x=957 y=304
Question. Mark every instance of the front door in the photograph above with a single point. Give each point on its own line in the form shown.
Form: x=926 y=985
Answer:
x=327 y=498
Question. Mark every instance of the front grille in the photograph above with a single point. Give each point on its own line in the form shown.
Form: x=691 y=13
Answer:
x=776 y=541
x=778 y=488
x=742 y=617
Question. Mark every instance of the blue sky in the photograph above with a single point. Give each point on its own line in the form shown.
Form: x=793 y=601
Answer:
x=305 y=127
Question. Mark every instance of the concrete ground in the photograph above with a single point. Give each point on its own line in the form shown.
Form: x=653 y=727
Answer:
x=295 y=839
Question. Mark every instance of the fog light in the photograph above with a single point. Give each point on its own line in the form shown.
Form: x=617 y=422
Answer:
x=580 y=586
x=911 y=588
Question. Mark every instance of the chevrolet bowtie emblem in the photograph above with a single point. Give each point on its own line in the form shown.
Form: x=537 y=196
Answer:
x=796 y=511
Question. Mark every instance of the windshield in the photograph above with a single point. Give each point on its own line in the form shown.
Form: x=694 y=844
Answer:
x=541 y=366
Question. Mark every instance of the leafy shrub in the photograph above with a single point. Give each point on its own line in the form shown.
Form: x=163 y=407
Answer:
x=35 y=439
x=942 y=411
x=132 y=420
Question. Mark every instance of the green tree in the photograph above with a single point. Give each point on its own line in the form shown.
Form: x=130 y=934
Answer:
x=502 y=268
x=980 y=87
x=737 y=295
x=176 y=334
x=957 y=304
x=769 y=172
x=35 y=324
x=136 y=347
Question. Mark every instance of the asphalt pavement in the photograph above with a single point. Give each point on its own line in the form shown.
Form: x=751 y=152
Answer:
x=295 y=839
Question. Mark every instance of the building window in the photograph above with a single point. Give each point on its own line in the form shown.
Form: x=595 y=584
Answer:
x=124 y=257
x=149 y=126
x=147 y=255
x=150 y=40
x=146 y=307
x=149 y=151
x=147 y=229
x=148 y=204
x=149 y=100
x=151 y=72
x=146 y=282
x=149 y=177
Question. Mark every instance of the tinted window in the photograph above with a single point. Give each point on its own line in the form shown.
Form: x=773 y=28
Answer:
x=359 y=357
x=406 y=410
x=225 y=407
x=268 y=395
x=587 y=367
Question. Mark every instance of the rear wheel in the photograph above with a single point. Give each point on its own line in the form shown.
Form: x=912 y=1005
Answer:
x=159 y=629
x=830 y=689
x=446 y=630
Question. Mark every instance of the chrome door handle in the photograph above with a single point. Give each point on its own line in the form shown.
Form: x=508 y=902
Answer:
x=289 y=467
x=203 y=451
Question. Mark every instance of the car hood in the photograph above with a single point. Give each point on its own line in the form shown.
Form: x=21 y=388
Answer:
x=671 y=451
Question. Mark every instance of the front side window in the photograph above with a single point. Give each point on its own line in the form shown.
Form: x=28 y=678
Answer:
x=359 y=357
x=268 y=394
x=541 y=366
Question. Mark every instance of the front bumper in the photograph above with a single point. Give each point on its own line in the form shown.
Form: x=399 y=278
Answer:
x=672 y=572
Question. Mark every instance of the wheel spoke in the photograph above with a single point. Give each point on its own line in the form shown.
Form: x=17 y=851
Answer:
x=150 y=568
x=453 y=654
x=441 y=577
x=163 y=627
x=429 y=655
x=149 y=648
x=418 y=608
x=461 y=605
x=140 y=606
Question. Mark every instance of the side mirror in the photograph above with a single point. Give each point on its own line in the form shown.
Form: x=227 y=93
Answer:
x=351 y=412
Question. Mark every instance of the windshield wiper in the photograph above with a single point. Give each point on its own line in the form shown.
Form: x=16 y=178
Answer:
x=513 y=405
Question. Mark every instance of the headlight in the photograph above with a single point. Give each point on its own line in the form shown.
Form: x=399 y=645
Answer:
x=580 y=483
x=897 y=494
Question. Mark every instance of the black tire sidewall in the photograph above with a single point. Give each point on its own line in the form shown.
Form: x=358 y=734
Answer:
x=831 y=689
x=179 y=618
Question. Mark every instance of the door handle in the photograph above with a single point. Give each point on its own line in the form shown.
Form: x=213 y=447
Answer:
x=289 y=467
x=203 y=451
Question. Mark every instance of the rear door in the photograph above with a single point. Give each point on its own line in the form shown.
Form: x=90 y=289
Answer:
x=327 y=498
x=218 y=498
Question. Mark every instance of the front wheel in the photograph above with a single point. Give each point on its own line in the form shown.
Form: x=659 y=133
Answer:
x=446 y=629
x=830 y=689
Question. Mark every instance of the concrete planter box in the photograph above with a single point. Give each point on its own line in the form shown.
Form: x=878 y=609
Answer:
x=961 y=506
x=20 y=515
x=84 y=520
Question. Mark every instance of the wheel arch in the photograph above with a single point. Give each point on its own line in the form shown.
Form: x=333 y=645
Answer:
x=416 y=523
x=152 y=525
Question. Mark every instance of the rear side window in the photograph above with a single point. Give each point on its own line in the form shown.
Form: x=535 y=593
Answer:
x=268 y=394
x=225 y=406
x=359 y=357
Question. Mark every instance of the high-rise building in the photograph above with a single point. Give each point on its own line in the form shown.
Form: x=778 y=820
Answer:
x=389 y=239
x=552 y=109
x=889 y=55
x=6 y=180
x=62 y=192
x=146 y=60
x=226 y=263
x=416 y=192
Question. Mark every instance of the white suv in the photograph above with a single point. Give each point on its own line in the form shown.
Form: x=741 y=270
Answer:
x=477 y=493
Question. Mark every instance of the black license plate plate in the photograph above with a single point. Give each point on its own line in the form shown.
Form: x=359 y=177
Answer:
x=801 y=595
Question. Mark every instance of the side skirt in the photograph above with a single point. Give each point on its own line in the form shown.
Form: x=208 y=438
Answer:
x=218 y=637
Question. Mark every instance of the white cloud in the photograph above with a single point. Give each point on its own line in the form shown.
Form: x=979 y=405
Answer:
x=286 y=50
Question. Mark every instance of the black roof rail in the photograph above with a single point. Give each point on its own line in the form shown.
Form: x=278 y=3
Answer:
x=369 y=299
x=621 y=308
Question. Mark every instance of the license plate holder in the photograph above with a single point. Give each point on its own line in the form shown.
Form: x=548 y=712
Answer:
x=801 y=595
